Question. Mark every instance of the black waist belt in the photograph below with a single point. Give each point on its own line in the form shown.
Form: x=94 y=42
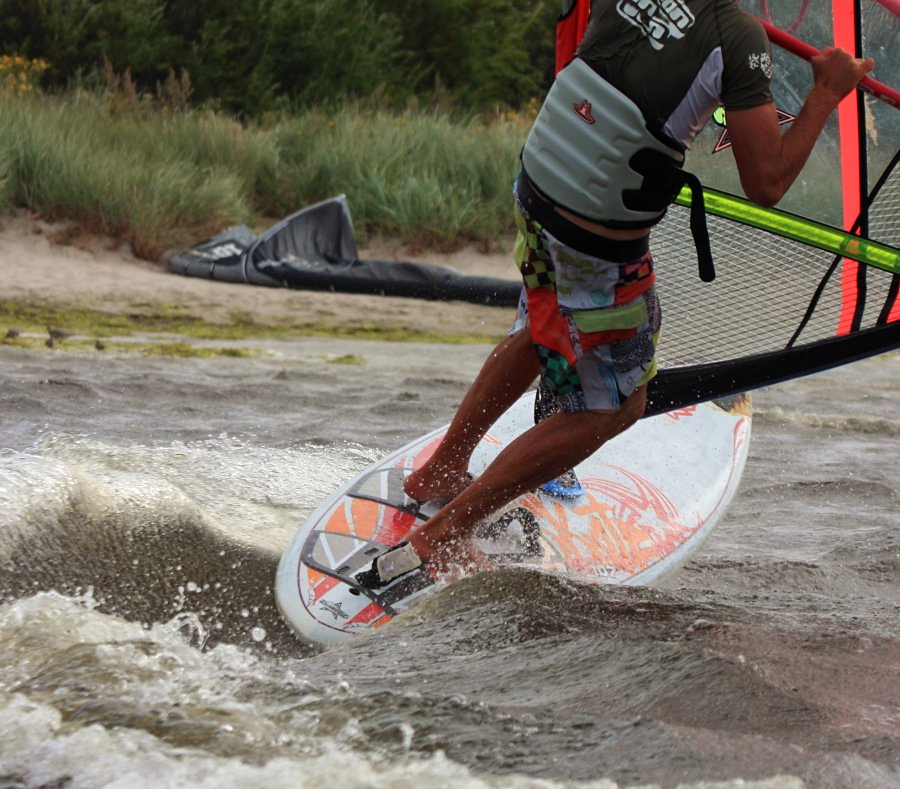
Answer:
x=542 y=210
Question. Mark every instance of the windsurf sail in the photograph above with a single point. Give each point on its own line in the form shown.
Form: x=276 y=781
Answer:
x=570 y=26
x=315 y=249
x=814 y=283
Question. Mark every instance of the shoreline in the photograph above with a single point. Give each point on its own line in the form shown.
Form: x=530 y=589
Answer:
x=81 y=282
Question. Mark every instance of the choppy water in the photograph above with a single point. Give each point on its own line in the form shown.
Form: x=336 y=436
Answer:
x=144 y=503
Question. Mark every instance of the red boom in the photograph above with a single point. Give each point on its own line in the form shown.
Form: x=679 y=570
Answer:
x=800 y=48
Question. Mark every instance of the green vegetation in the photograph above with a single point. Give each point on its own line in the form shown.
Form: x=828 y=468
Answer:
x=29 y=325
x=145 y=347
x=249 y=57
x=163 y=180
x=348 y=359
x=161 y=123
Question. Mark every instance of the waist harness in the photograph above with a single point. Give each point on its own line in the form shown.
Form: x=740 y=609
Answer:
x=590 y=152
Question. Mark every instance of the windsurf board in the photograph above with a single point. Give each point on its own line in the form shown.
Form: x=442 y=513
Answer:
x=651 y=495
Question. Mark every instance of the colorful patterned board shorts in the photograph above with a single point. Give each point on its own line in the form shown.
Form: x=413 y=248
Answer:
x=594 y=318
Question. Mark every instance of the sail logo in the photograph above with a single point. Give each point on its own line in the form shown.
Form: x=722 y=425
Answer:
x=335 y=610
x=720 y=119
x=583 y=111
x=658 y=20
x=223 y=251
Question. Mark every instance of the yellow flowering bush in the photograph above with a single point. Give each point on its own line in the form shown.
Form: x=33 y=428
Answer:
x=20 y=75
x=523 y=116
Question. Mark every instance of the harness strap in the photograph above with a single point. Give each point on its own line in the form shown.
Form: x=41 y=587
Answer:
x=699 y=230
x=663 y=181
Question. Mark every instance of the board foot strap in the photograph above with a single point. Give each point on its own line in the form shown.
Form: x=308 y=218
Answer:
x=397 y=561
x=356 y=555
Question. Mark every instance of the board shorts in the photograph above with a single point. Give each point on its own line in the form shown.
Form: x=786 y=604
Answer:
x=590 y=304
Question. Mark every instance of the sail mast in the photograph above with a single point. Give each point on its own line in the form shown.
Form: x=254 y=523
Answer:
x=853 y=166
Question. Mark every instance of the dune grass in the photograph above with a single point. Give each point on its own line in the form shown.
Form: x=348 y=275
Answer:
x=163 y=180
x=423 y=177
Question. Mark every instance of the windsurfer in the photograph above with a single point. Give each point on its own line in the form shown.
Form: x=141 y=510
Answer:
x=643 y=80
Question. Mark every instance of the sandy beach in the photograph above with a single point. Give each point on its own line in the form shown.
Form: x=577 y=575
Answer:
x=100 y=274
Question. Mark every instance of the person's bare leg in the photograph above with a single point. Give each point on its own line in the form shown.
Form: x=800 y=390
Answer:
x=542 y=453
x=505 y=376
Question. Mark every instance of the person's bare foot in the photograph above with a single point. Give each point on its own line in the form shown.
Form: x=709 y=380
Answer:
x=436 y=484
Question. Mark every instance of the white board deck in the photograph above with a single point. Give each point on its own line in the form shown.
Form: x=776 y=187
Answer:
x=652 y=496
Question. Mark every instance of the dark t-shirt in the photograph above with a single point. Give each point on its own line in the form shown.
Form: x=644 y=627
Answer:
x=679 y=60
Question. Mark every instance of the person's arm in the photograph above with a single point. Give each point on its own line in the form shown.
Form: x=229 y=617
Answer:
x=769 y=162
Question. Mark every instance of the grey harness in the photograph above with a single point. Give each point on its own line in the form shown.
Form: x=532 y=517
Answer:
x=590 y=152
